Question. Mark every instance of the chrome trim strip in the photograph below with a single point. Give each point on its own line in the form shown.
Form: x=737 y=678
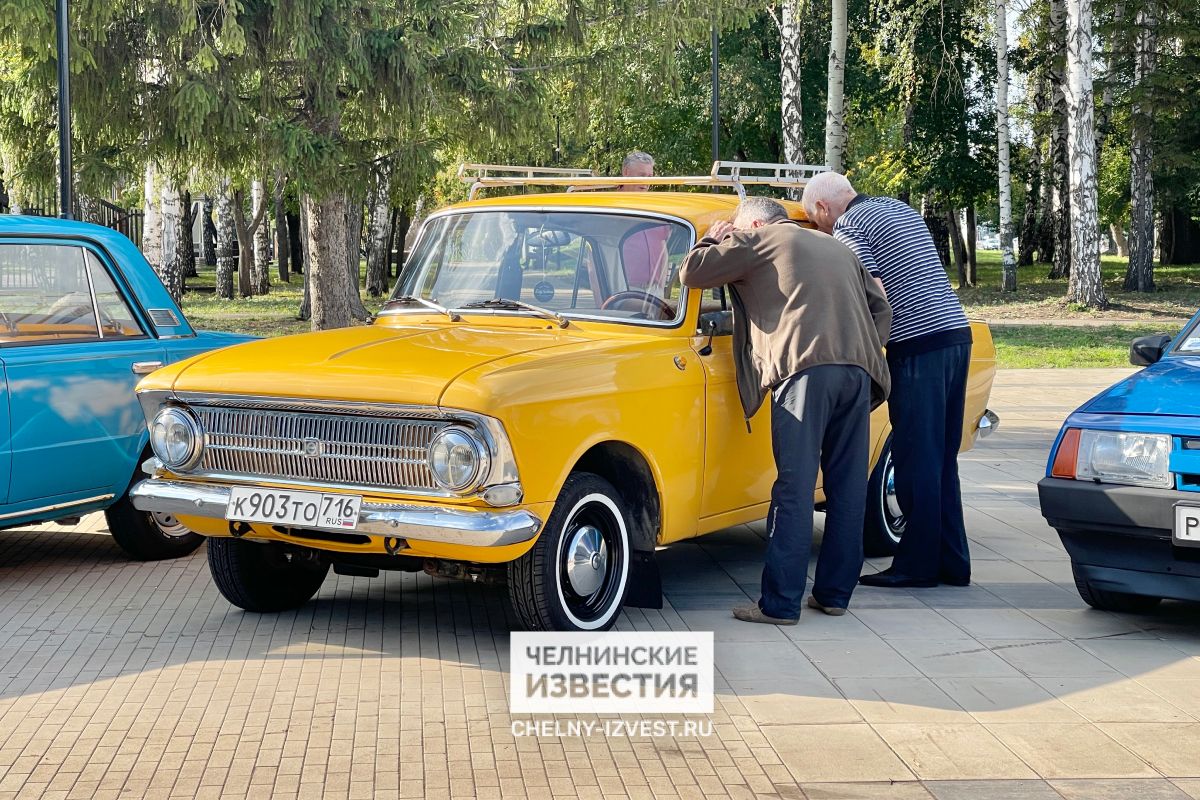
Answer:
x=422 y=523
x=97 y=499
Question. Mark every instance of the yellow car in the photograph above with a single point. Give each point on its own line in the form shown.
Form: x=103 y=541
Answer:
x=540 y=402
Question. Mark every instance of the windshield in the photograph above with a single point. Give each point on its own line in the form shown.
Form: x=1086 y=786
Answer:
x=573 y=263
x=1189 y=342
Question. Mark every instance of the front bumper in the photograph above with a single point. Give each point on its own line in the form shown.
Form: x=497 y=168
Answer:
x=1120 y=537
x=385 y=521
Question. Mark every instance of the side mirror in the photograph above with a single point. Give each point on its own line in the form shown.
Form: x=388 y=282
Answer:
x=1147 y=350
x=712 y=331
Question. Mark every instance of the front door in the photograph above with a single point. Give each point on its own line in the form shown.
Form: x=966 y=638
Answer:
x=738 y=465
x=72 y=350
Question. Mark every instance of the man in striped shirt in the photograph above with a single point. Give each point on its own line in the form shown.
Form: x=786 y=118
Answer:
x=928 y=354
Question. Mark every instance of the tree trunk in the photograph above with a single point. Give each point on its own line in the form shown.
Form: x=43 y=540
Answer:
x=1087 y=286
x=208 y=241
x=296 y=246
x=152 y=222
x=355 y=211
x=187 y=242
x=379 y=236
x=226 y=242
x=1046 y=226
x=401 y=227
x=1140 y=276
x=283 y=237
x=333 y=294
x=791 y=44
x=1062 y=192
x=1029 y=221
x=1119 y=240
x=262 y=239
x=835 y=114
x=245 y=239
x=171 y=269
x=305 y=254
x=972 y=250
x=958 y=248
x=935 y=221
x=1008 y=264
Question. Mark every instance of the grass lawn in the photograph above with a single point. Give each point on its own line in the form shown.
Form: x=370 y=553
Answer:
x=1062 y=336
x=1037 y=346
x=1037 y=297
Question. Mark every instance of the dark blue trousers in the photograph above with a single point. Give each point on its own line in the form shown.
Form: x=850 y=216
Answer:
x=926 y=409
x=820 y=419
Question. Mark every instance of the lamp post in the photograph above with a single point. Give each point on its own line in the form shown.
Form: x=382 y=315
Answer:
x=65 y=178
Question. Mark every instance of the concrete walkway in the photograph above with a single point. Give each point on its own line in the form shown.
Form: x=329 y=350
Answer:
x=120 y=679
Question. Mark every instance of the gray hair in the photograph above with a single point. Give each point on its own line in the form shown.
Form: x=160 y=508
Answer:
x=637 y=157
x=827 y=187
x=759 y=209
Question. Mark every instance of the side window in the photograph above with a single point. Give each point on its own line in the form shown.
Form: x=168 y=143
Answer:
x=716 y=316
x=44 y=294
x=116 y=319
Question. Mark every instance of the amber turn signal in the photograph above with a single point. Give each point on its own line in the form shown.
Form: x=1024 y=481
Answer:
x=1067 y=456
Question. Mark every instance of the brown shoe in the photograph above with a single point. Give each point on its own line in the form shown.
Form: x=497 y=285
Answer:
x=833 y=611
x=753 y=613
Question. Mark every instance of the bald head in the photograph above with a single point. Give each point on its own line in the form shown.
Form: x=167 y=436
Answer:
x=825 y=199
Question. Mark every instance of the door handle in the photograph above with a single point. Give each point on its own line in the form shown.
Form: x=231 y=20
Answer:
x=145 y=367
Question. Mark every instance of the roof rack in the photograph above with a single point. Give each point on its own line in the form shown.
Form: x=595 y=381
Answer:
x=734 y=175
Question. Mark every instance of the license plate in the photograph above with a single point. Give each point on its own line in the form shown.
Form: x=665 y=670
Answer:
x=293 y=509
x=1187 y=524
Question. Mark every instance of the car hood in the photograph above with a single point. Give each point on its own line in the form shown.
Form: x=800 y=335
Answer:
x=1172 y=386
x=379 y=364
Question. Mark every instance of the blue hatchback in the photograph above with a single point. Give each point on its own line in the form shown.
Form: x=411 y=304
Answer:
x=82 y=317
x=1122 y=485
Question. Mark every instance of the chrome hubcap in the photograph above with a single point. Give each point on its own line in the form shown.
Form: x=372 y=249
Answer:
x=169 y=525
x=891 y=503
x=587 y=560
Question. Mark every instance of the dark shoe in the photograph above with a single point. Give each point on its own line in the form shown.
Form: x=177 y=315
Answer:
x=946 y=580
x=890 y=580
x=753 y=613
x=833 y=611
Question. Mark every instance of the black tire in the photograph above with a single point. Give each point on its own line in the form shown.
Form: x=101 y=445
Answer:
x=1105 y=600
x=265 y=578
x=589 y=515
x=149 y=536
x=885 y=522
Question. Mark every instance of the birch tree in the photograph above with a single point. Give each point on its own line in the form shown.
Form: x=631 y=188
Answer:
x=379 y=234
x=835 y=110
x=262 y=247
x=791 y=46
x=226 y=242
x=1140 y=276
x=1060 y=147
x=1008 y=263
x=1086 y=287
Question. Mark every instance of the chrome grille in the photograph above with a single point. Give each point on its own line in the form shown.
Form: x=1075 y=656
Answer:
x=323 y=449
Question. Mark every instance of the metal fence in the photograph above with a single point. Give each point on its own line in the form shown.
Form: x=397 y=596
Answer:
x=128 y=221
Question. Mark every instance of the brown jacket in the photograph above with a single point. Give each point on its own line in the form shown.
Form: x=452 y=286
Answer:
x=800 y=299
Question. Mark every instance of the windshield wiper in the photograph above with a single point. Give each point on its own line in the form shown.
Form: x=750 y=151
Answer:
x=438 y=307
x=506 y=303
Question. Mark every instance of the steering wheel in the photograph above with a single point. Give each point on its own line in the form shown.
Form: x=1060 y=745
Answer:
x=622 y=301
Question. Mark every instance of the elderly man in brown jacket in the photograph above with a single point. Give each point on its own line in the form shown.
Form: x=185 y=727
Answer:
x=809 y=324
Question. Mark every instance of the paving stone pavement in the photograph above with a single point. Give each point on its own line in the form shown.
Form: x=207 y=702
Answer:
x=120 y=679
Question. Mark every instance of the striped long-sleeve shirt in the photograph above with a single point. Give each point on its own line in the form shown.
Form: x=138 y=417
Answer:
x=893 y=243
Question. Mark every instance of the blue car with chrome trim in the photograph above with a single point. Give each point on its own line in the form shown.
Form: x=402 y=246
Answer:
x=1122 y=485
x=82 y=317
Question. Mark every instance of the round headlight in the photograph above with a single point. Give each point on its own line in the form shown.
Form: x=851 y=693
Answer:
x=175 y=438
x=455 y=459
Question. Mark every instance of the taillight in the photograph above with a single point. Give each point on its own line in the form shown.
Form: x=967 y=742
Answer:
x=1067 y=456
